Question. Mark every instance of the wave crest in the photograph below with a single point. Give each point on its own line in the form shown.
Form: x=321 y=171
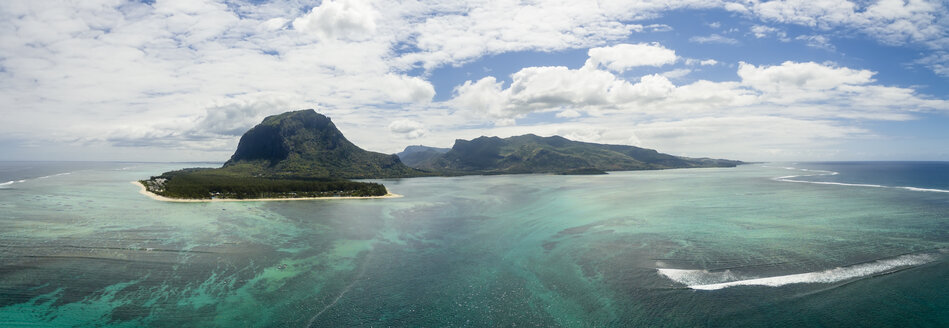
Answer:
x=791 y=178
x=711 y=280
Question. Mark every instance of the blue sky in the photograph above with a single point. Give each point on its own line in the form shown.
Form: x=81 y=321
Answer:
x=752 y=80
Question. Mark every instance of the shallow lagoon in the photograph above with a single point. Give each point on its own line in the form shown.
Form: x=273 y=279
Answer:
x=623 y=249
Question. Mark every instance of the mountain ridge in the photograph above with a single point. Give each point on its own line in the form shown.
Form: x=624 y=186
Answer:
x=530 y=153
x=302 y=153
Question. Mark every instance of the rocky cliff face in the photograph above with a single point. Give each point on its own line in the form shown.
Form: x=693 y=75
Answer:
x=306 y=144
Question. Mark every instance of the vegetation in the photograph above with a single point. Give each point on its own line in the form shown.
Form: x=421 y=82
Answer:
x=583 y=171
x=303 y=154
x=215 y=183
x=294 y=154
x=416 y=156
x=533 y=154
x=305 y=144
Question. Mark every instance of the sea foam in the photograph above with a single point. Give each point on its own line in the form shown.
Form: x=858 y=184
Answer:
x=712 y=280
x=790 y=178
x=54 y=175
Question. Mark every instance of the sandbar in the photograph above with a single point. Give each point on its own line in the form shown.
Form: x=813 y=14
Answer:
x=155 y=196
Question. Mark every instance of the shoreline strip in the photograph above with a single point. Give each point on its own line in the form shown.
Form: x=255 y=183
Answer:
x=142 y=190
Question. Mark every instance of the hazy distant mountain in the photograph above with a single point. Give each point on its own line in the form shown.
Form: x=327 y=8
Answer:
x=533 y=154
x=418 y=155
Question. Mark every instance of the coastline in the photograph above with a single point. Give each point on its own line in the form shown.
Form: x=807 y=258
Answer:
x=142 y=190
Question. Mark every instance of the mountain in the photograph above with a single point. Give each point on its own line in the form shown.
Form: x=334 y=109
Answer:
x=303 y=154
x=533 y=154
x=306 y=144
x=414 y=156
x=290 y=155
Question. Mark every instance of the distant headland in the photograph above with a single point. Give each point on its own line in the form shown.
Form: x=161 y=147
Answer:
x=302 y=155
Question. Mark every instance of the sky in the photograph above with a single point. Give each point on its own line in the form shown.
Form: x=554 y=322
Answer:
x=783 y=80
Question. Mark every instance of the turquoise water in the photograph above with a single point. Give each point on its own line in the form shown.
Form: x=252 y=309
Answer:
x=815 y=244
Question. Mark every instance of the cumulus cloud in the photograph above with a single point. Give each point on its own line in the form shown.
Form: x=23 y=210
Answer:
x=484 y=96
x=233 y=119
x=408 y=128
x=801 y=76
x=797 y=89
x=353 y=19
x=190 y=75
x=401 y=88
x=621 y=57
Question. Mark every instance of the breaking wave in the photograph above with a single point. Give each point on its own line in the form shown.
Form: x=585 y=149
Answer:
x=8 y=183
x=814 y=173
x=11 y=182
x=711 y=280
x=54 y=175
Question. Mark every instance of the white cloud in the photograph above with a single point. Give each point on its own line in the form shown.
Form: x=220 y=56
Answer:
x=817 y=41
x=893 y=22
x=554 y=86
x=401 y=88
x=825 y=91
x=714 y=38
x=801 y=76
x=701 y=62
x=189 y=75
x=456 y=33
x=353 y=19
x=409 y=128
x=753 y=136
x=657 y=28
x=890 y=21
x=621 y=57
x=795 y=95
x=485 y=97
x=762 y=31
x=569 y=113
x=938 y=62
x=677 y=73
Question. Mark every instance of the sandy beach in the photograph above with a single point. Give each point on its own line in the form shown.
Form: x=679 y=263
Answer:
x=154 y=196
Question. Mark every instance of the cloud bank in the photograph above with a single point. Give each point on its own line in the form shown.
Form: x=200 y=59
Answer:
x=186 y=77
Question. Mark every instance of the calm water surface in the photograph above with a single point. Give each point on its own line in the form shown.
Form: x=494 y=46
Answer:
x=810 y=244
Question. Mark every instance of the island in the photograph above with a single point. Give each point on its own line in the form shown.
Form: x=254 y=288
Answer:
x=302 y=155
x=294 y=155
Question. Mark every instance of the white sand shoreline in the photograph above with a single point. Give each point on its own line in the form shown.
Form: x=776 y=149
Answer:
x=155 y=196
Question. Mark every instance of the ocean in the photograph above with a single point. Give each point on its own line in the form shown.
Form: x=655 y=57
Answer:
x=762 y=245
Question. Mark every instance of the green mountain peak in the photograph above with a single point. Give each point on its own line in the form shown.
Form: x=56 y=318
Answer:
x=306 y=144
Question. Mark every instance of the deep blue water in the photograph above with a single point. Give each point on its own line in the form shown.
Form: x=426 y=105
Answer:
x=929 y=175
